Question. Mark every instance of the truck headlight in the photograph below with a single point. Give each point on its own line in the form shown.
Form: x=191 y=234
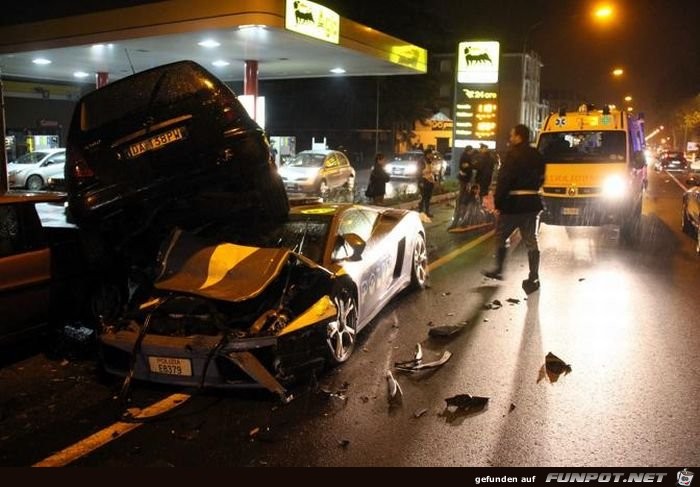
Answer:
x=614 y=187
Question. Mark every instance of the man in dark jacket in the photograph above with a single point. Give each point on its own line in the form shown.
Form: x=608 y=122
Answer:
x=484 y=164
x=519 y=204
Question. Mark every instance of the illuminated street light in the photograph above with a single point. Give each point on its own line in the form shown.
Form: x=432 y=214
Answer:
x=630 y=109
x=618 y=72
x=603 y=12
x=628 y=98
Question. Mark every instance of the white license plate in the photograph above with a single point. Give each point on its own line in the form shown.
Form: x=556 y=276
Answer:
x=569 y=211
x=156 y=142
x=170 y=366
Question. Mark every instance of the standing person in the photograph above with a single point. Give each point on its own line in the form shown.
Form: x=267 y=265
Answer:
x=376 y=189
x=519 y=204
x=484 y=165
x=426 y=182
x=464 y=176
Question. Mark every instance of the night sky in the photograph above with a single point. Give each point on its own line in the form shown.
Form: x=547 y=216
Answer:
x=657 y=42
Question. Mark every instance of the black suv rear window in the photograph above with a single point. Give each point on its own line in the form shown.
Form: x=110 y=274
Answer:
x=153 y=88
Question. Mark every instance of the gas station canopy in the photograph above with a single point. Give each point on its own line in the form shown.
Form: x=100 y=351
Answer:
x=287 y=38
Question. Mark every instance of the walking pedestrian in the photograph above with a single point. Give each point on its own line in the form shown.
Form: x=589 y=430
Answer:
x=376 y=189
x=519 y=204
x=426 y=182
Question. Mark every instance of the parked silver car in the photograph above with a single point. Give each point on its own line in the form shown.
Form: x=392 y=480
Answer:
x=32 y=170
x=318 y=172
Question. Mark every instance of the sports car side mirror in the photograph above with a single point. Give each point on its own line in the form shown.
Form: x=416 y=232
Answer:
x=349 y=246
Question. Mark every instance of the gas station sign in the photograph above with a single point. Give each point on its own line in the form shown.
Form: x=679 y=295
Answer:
x=476 y=94
x=313 y=20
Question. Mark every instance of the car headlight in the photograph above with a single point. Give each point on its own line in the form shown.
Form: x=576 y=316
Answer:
x=389 y=167
x=614 y=187
x=411 y=169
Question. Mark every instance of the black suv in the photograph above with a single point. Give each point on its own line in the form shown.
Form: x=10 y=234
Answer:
x=170 y=140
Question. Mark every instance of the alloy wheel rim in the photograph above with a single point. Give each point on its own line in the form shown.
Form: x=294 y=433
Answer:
x=341 y=332
x=420 y=261
x=34 y=184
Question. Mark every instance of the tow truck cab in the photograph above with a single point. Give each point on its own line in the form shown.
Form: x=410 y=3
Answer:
x=596 y=170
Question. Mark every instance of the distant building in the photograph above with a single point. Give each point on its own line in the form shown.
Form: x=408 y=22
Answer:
x=519 y=99
x=568 y=99
x=519 y=94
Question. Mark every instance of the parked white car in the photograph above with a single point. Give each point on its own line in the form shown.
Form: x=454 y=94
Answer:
x=32 y=170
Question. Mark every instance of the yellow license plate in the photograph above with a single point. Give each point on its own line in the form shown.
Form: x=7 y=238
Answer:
x=156 y=142
x=569 y=211
x=170 y=366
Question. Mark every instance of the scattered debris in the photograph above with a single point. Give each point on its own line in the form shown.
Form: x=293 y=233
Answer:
x=365 y=349
x=493 y=305
x=581 y=279
x=420 y=412
x=364 y=399
x=445 y=330
x=80 y=334
x=556 y=365
x=450 y=314
x=417 y=367
x=447 y=293
x=512 y=408
x=394 y=389
x=513 y=301
x=254 y=432
x=461 y=406
x=343 y=443
x=467 y=402
x=553 y=367
x=486 y=320
x=430 y=323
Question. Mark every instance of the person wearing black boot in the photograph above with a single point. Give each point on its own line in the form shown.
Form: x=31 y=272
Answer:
x=519 y=204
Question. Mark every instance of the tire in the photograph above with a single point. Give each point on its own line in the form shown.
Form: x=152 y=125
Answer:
x=686 y=226
x=419 y=263
x=273 y=196
x=341 y=333
x=106 y=300
x=34 y=182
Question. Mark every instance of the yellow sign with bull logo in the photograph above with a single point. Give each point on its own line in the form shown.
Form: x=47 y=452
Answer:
x=478 y=62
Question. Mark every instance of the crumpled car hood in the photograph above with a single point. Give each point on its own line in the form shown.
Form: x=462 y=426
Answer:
x=223 y=271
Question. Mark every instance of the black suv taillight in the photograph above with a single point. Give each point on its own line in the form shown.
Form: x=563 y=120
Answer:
x=77 y=168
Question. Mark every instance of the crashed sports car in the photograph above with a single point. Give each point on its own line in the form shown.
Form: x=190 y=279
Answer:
x=243 y=307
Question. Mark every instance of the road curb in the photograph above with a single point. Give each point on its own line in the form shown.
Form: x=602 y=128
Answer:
x=441 y=198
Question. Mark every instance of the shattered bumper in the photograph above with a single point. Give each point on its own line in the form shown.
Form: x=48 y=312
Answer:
x=201 y=361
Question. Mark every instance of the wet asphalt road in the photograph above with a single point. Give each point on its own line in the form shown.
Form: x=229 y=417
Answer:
x=625 y=319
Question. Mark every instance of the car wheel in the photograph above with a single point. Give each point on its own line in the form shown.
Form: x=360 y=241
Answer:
x=35 y=183
x=273 y=196
x=419 y=263
x=341 y=332
x=686 y=226
x=106 y=300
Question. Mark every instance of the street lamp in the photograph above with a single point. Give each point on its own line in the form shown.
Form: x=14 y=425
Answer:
x=617 y=72
x=603 y=12
x=628 y=98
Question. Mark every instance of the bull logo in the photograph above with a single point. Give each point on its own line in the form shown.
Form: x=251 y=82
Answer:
x=471 y=58
x=302 y=14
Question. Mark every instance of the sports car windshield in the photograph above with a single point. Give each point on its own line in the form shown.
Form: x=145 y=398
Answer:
x=583 y=146
x=303 y=234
